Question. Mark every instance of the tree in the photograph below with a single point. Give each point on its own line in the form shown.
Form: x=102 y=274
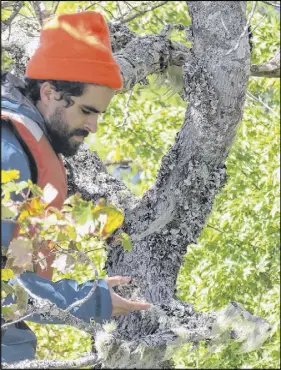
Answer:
x=172 y=213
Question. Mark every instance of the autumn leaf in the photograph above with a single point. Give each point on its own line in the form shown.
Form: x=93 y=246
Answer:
x=7 y=274
x=110 y=218
x=7 y=176
x=30 y=208
x=20 y=255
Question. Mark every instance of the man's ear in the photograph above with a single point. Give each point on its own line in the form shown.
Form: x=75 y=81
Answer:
x=46 y=93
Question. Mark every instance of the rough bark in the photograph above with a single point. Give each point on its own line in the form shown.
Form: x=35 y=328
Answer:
x=172 y=213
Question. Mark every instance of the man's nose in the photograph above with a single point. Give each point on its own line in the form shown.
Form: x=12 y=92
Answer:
x=92 y=124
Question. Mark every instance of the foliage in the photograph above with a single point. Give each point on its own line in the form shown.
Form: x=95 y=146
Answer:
x=237 y=254
x=77 y=227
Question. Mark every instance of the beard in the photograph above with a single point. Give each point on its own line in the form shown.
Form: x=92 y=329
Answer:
x=61 y=135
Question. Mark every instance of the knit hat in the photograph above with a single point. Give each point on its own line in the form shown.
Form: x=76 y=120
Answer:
x=75 y=47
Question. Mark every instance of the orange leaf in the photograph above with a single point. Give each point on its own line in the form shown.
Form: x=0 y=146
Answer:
x=32 y=207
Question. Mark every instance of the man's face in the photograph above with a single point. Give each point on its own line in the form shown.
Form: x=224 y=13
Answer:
x=68 y=127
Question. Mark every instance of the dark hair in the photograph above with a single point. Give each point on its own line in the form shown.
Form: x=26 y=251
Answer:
x=67 y=89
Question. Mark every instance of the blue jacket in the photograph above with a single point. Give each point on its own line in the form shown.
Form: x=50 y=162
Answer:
x=18 y=341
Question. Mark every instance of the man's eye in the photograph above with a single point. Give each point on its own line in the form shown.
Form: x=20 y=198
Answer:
x=86 y=111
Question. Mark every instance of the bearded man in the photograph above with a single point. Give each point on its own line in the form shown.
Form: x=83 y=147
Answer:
x=70 y=80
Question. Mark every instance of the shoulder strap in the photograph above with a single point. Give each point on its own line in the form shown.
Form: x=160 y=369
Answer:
x=33 y=167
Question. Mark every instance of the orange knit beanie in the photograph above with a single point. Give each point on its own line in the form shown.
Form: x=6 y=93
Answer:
x=75 y=47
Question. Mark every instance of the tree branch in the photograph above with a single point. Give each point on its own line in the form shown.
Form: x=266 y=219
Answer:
x=177 y=324
x=85 y=360
x=273 y=3
x=16 y=8
x=40 y=15
x=8 y=4
x=56 y=7
x=270 y=69
x=144 y=56
x=129 y=17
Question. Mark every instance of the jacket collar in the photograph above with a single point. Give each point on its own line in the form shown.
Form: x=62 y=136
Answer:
x=13 y=100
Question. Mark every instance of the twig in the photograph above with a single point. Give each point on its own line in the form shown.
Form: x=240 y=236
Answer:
x=88 y=360
x=120 y=11
x=258 y=24
x=254 y=98
x=9 y=220
x=90 y=6
x=17 y=7
x=270 y=69
x=214 y=228
x=56 y=7
x=39 y=14
x=272 y=3
x=246 y=175
x=124 y=162
x=82 y=257
x=245 y=28
x=126 y=115
x=93 y=250
x=18 y=320
x=7 y=4
x=139 y=13
x=45 y=306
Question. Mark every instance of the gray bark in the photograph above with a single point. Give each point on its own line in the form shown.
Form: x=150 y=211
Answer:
x=172 y=213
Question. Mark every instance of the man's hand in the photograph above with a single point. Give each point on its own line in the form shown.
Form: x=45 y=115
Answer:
x=121 y=306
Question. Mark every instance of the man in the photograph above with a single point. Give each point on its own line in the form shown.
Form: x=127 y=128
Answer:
x=70 y=80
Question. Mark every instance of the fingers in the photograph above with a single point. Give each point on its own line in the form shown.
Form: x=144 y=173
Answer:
x=128 y=307
x=138 y=306
x=117 y=280
x=122 y=306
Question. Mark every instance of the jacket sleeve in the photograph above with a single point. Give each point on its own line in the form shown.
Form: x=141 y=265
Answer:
x=12 y=157
x=65 y=291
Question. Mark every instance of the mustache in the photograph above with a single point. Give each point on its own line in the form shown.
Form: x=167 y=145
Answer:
x=79 y=132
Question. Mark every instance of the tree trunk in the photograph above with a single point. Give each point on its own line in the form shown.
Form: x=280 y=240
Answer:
x=172 y=213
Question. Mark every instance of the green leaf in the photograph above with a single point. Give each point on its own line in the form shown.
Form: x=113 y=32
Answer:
x=8 y=212
x=10 y=312
x=80 y=209
x=35 y=189
x=4 y=250
x=16 y=187
x=22 y=298
x=64 y=263
x=8 y=289
x=126 y=242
